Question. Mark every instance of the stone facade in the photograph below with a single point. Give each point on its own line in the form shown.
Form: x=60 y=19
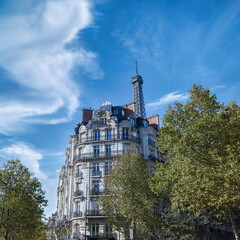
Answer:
x=104 y=134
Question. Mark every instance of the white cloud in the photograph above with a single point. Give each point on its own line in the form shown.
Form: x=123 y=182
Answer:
x=29 y=157
x=166 y=99
x=33 y=50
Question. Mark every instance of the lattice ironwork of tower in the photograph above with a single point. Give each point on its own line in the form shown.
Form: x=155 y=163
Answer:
x=139 y=106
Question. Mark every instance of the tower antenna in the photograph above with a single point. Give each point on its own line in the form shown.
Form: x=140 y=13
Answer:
x=136 y=68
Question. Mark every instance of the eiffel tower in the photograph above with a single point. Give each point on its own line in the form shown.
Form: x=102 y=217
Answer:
x=139 y=106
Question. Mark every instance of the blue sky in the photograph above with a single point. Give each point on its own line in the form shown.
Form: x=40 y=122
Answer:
x=58 y=56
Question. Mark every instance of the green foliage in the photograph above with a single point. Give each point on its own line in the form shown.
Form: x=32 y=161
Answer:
x=25 y=200
x=202 y=142
x=130 y=203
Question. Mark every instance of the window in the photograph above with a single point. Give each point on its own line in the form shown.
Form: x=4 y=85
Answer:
x=108 y=228
x=76 y=230
x=131 y=121
x=96 y=135
x=116 y=112
x=96 y=151
x=108 y=150
x=78 y=170
x=108 y=135
x=95 y=229
x=77 y=207
x=95 y=188
x=151 y=153
x=151 y=139
x=103 y=121
x=78 y=186
x=125 y=133
x=108 y=166
x=96 y=169
x=80 y=151
x=94 y=206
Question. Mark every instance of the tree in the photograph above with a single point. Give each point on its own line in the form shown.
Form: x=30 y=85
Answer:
x=201 y=143
x=129 y=202
x=25 y=200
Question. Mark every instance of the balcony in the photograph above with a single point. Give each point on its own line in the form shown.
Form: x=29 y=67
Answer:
x=94 y=213
x=111 y=137
x=77 y=214
x=154 y=159
x=96 y=192
x=78 y=193
x=151 y=142
x=99 y=155
x=96 y=173
x=78 y=175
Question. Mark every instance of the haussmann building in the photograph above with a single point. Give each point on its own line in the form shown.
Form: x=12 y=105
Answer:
x=102 y=135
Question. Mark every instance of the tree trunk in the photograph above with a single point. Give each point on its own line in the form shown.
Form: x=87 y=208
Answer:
x=234 y=225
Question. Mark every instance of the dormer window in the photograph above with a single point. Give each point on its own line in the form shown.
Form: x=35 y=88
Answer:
x=103 y=121
x=125 y=133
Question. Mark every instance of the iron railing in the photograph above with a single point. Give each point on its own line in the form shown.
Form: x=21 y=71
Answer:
x=97 y=192
x=96 y=173
x=151 y=142
x=93 y=155
x=77 y=214
x=78 y=174
x=154 y=159
x=94 y=213
x=111 y=137
x=78 y=193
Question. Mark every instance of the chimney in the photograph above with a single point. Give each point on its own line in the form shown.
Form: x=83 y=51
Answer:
x=154 y=121
x=86 y=115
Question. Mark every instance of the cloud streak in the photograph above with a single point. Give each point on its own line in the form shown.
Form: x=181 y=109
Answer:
x=33 y=49
x=166 y=99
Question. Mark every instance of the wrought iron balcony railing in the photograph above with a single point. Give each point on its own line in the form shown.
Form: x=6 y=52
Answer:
x=111 y=137
x=152 y=158
x=78 y=193
x=151 y=142
x=78 y=174
x=94 y=213
x=93 y=155
x=97 y=192
x=77 y=214
x=96 y=173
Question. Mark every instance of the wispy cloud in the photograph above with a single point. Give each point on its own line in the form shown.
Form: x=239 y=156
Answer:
x=28 y=156
x=31 y=158
x=33 y=49
x=182 y=48
x=166 y=99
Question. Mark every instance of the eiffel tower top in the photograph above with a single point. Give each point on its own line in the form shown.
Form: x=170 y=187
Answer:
x=138 y=99
x=137 y=77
